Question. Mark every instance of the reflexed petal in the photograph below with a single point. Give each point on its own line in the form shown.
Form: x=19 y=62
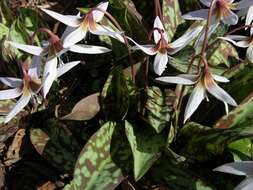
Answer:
x=148 y=49
x=238 y=168
x=220 y=94
x=231 y=18
x=88 y=49
x=35 y=50
x=22 y=102
x=35 y=67
x=67 y=31
x=249 y=18
x=157 y=35
x=250 y=53
x=66 y=67
x=201 y=14
x=185 y=39
x=10 y=93
x=177 y=80
x=11 y=81
x=238 y=37
x=246 y=184
x=98 y=15
x=198 y=94
x=244 y=4
x=242 y=44
x=73 y=21
x=206 y=2
x=104 y=30
x=74 y=37
x=49 y=75
x=220 y=78
x=160 y=63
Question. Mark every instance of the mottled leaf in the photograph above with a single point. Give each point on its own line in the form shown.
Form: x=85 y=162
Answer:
x=95 y=168
x=85 y=109
x=146 y=147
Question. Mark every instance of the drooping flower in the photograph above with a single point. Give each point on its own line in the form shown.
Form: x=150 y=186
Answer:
x=162 y=47
x=243 y=42
x=203 y=82
x=80 y=25
x=27 y=88
x=243 y=168
x=52 y=50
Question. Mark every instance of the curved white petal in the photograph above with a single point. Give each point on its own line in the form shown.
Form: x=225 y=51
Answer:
x=220 y=78
x=249 y=53
x=201 y=14
x=66 y=67
x=49 y=75
x=88 y=49
x=206 y=2
x=185 y=39
x=178 y=80
x=67 y=31
x=35 y=67
x=220 y=94
x=148 y=49
x=194 y=101
x=104 y=30
x=231 y=18
x=73 y=21
x=22 y=102
x=74 y=37
x=242 y=44
x=238 y=168
x=244 y=4
x=35 y=50
x=11 y=81
x=98 y=15
x=10 y=93
x=246 y=184
x=160 y=63
x=249 y=17
x=157 y=35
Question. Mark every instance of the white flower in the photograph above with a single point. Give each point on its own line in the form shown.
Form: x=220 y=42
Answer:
x=162 y=47
x=244 y=168
x=53 y=49
x=243 y=42
x=80 y=25
x=27 y=88
x=249 y=18
x=203 y=82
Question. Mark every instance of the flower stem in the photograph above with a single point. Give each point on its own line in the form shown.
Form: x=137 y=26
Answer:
x=238 y=28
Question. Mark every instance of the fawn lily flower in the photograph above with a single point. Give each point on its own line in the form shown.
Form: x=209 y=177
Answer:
x=203 y=82
x=243 y=168
x=53 y=49
x=80 y=25
x=27 y=88
x=249 y=18
x=243 y=42
x=162 y=47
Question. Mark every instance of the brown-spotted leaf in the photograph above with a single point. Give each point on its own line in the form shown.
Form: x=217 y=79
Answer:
x=85 y=109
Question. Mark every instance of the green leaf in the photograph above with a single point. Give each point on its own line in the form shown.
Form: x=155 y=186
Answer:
x=56 y=144
x=95 y=168
x=241 y=149
x=172 y=17
x=159 y=107
x=146 y=147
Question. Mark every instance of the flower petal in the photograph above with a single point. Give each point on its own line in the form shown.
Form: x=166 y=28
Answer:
x=74 y=37
x=11 y=81
x=98 y=15
x=73 y=21
x=49 y=75
x=206 y=2
x=66 y=67
x=220 y=94
x=22 y=102
x=244 y=4
x=185 y=39
x=246 y=184
x=10 y=93
x=148 y=49
x=231 y=18
x=88 y=49
x=201 y=14
x=67 y=31
x=249 y=18
x=35 y=67
x=198 y=94
x=35 y=50
x=157 y=35
x=238 y=168
x=249 y=53
x=160 y=63
x=104 y=30
x=177 y=80
x=220 y=78
x=242 y=44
